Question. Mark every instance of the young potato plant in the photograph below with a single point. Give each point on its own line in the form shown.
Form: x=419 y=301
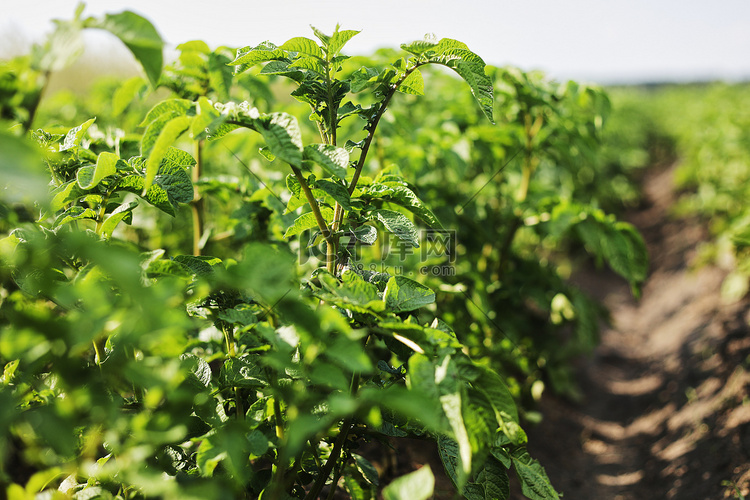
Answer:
x=129 y=373
x=526 y=198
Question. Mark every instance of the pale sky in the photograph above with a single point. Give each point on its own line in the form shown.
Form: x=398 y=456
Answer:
x=591 y=40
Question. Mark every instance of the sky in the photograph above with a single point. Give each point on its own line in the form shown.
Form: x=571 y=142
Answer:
x=602 y=41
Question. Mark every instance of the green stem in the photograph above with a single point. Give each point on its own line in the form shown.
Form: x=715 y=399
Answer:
x=102 y=213
x=338 y=214
x=336 y=478
x=197 y=205
x=530 y=162
x=373 y=125
x=322 y=225
x=99 y=351
x=231 y=352
x=35 y=105
x=338 y=446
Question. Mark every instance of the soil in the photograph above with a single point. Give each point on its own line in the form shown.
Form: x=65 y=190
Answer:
x=665 y=410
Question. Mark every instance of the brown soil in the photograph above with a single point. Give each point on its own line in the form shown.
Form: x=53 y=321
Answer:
x=665 y=411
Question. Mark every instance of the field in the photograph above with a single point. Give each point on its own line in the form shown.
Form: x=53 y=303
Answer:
x=277 y=271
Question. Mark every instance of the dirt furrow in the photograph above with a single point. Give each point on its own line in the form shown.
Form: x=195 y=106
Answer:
x=664 y=411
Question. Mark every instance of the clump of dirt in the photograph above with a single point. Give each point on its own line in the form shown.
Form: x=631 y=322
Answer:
x=665 y=411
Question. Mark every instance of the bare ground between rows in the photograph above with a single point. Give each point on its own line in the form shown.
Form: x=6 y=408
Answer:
x=665 y=411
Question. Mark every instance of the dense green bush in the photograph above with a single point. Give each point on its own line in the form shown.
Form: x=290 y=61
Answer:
x=182 y=316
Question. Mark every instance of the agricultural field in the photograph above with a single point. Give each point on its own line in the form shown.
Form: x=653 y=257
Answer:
x=279 y=271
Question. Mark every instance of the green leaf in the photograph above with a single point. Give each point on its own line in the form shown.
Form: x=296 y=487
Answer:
x=138 y=35
x=417 y=485
x=123 y=212
x=403 y=294
x=126 y=94
x=167 y=267
x=167 y=136
x=399 y=225
x=329 y=375
x=338 y=40
x=307 y=221
x=368 y=471
x=337 y=191
x=171 y=108
x=74 y=213
x=227 y=445
x=208 y=456
x=452 y=404
x=303 y=45
x=244 y=314
x=628 y=255
x=401 y=195
x=309 y=63
x=8 y=372
x=348 y=354
x=364 y=78
x=534 y=481
x=23 y=177
x=242 y=372
x=325 y=39
x=176 y=183
x=219 y=75
x=171 y=186
x=64 y=194
x=200 y=265
x=75 y=135
x=352 y=289
x=490 y=484
x=283 y=68
x=332 y=159
x=424 y=337
x=248 y=57
x=619 y=243
x=412 y=84
x=282 y=135
x=366 y=234
x=492 y=386
x=450 y=455
x=457 y=56
x=90 y=176
x=198 y=368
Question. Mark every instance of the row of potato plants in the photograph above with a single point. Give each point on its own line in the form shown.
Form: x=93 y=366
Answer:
x=231 y=292
x=708 y=129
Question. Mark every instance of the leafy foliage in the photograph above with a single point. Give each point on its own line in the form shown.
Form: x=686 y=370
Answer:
x=260 y=370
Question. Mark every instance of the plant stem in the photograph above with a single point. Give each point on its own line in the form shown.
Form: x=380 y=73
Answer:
x=338 y=214
x=102 y=213
x=336 y=478
x=231 y=353
x=373 y=125
x=35 y=105
x=322 y=225
x=530 y=162
x=338 y=445
x=99 y=350
x=197 y=205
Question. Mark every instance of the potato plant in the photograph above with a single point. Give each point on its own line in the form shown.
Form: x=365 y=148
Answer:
x=130 y=372
x=527 y=198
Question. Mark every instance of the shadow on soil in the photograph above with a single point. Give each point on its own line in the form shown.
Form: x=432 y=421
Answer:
x=665 y=411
